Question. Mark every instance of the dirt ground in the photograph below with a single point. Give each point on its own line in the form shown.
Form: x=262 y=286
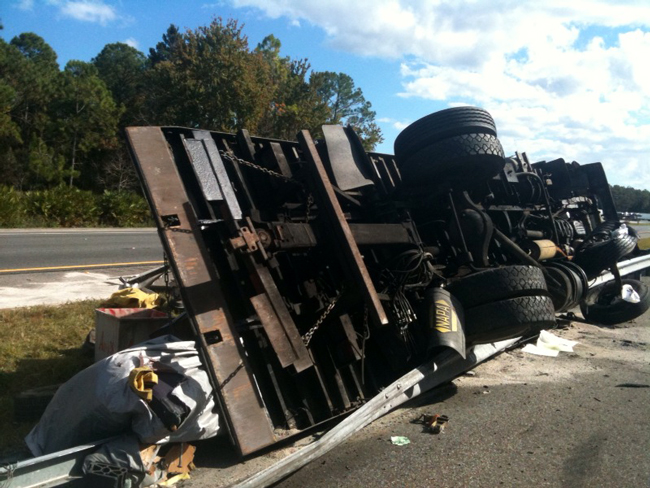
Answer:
x=579 y=419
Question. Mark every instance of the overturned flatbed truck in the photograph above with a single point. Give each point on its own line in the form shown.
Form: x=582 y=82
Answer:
x=315 y=273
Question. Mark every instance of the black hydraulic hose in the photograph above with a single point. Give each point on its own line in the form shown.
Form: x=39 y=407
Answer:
x=468 y=255
x=546 y=200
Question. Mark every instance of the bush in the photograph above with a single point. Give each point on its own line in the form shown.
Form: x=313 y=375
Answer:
x=64 y=206
x=13 y=210
x=124 y=209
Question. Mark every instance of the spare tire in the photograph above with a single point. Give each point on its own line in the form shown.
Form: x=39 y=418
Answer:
x=604 y=305
x=440 y=125
x=460 y=162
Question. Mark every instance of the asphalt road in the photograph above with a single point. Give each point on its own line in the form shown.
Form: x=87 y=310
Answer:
x=52 y=266
x=576 y=420
x=642 y=229
x=48 y=249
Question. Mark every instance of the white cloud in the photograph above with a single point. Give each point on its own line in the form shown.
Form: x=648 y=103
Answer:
x=396 y=124
x=131 y=42
x=590 y=104
x=89 y=11
x=562 y=79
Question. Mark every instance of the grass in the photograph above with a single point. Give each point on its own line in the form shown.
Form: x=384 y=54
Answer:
x=40 y=346
x=644 y=243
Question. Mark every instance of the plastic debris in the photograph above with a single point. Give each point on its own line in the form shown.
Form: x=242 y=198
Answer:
x=98 y=402
x=540 y=351
x=549 y=344
x=629 y=294
x=133 y=297
x=400 y=440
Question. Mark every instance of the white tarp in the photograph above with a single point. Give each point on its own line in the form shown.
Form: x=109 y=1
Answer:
x=98 y=403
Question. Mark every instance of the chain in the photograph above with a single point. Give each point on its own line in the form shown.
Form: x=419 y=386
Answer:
x=168 y=226
x=310 y=202
x=307 y=337
x=176 y=229
x=231 y=375
x=235 y=159
x=243 y=162
x=168 y=294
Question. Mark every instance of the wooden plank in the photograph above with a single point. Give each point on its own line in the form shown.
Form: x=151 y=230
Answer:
x=231 y=376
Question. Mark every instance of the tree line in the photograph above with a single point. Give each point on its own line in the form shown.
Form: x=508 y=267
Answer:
x=629 y=199
x=63 y=126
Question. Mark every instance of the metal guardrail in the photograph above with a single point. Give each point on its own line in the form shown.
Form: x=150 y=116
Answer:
x=626 y=267
x=46 y=471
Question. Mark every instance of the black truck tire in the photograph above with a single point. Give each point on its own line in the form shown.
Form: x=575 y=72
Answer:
x=559 y=295
x=605 y=306
x=441 y=125
x=496 y=284
x=510 y=318
x=600 y=250
x=460 y=161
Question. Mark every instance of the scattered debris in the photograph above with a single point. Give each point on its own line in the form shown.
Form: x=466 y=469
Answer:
x=632 y=385
x=179 y=459
x=117 y=329
x=629 y=294
x=143 y=280
x=550 y=345
x=434 y=424
x=98 y=402
x=400 y=440
x=133 y=298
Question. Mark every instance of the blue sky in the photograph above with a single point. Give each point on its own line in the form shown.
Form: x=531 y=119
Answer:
x=562 y=79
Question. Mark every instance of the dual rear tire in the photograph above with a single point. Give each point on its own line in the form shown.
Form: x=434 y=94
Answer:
x=502 y=303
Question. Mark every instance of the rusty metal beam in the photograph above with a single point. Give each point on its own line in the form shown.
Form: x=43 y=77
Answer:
x=231 y=376
x=353 y=261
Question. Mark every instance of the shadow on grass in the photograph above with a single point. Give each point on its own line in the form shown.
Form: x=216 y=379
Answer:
x=31 y=374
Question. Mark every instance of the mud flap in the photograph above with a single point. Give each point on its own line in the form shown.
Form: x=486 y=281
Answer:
x=444 y=322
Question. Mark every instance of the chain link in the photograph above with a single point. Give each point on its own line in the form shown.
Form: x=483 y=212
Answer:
x=307 y=337
x=168 y=226
x=310 y=202
x=168 y=293
x=243 y=162
x=176 y=229
x=231 y=375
